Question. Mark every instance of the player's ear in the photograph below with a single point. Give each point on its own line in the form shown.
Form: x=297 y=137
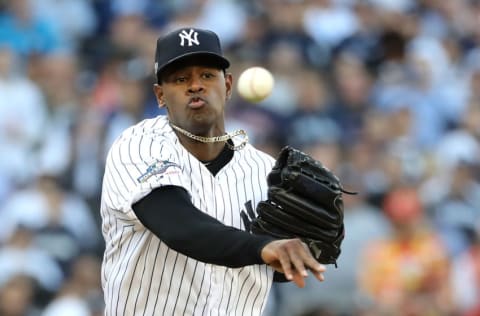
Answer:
x=157 y=89
x=228 y=84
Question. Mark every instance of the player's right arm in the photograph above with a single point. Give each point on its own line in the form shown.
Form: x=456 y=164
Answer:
x=202 y=237
x=168 y=212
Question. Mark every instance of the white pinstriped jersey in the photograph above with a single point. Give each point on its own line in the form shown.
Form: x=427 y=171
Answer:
x=141 y=275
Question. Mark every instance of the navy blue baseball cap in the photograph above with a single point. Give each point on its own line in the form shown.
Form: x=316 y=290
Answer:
x=188 y=42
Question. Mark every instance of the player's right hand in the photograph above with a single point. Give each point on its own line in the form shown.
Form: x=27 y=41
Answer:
x=292 y=258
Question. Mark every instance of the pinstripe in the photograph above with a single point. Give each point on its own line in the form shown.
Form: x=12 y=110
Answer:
x=208 y=293
x=268 y=280
x=151 y=278
x=255 y=184
x=240 y=291
x=124 y=275
x=228 y=193
x=259 y=289
x=183 y=279
x=119 y=266
x=201 y=287
x=123 y=168
x=161 y=280
x=216 y=197
x=247 y=293
x=239 y=206
x=131 y=279
x=245 y=304
x=113 y=272
x=170 y=285
x=112 y=184
x=230 y=293
x=190 y=289
x=143 y=273
x=222 y=290
x=116 y=166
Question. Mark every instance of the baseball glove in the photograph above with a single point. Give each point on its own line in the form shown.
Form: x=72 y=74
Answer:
x=304 y=201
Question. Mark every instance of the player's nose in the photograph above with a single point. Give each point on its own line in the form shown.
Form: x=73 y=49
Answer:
x=195 y=85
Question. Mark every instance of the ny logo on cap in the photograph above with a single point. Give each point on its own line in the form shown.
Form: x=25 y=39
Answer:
x=190 y=36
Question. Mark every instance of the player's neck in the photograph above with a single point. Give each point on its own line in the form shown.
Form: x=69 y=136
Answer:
x=203 y=151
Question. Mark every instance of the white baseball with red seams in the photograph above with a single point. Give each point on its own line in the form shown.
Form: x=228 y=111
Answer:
x=255 y=84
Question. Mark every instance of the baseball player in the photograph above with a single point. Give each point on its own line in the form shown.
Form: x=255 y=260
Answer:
x=173 y=190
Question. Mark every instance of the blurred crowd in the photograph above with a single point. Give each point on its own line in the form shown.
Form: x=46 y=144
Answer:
x=384 y=92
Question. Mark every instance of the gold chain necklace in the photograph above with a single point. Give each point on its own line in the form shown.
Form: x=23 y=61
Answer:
x=216 y=139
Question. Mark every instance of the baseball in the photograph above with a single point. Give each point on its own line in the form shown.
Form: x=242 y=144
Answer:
x=255 y=84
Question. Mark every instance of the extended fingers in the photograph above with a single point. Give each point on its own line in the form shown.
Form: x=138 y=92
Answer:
x=285 y=263
x=299 y=258
x=289 y=264
x=292 y=258
x=296 y=259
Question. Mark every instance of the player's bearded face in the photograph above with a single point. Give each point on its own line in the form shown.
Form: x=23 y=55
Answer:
x=195 y=98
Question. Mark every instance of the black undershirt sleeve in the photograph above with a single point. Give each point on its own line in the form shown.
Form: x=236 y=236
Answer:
x=168 y=212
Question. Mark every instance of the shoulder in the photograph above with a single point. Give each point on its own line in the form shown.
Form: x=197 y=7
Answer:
x=146 y=133
x=147 y=128
x=251 y=152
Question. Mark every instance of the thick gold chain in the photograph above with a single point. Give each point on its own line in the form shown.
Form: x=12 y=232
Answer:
x=216 y=139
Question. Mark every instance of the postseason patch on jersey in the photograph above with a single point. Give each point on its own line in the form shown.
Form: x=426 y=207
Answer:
x=159 y=167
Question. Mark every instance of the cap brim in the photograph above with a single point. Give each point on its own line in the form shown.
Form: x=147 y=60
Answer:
x=209 y=59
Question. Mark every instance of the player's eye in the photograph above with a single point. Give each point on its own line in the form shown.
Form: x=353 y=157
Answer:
x=208 y=75
x=180 y=79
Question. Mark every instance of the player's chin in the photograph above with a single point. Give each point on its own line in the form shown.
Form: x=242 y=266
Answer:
x=200 y=122
x=205 y=114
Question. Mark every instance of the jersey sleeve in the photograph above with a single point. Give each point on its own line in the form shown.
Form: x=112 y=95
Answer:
x=137 y=164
